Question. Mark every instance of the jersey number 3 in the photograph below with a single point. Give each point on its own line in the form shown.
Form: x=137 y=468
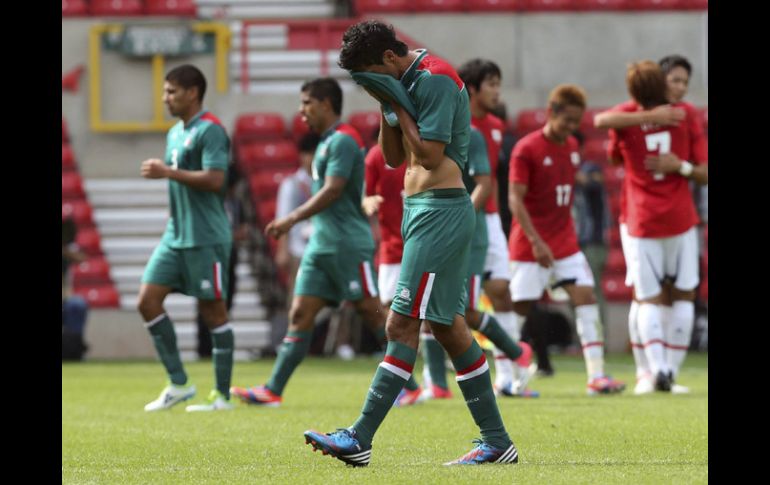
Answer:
x=660 y=142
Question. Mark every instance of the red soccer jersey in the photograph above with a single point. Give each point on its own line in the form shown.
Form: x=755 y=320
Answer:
x=658 y=205
x=613 y=153
x=388 y=182
x=492 y=128
x=548 y=170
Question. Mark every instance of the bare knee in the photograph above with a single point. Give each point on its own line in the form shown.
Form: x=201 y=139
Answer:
x=581 y=295
x=522 y=308
x=473 y=318
x=498 y=292
x=149 y=307
x=400 y=328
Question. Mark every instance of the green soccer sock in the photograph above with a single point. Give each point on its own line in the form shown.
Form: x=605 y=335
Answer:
x=391 y=375
x=492 y=330
x=434 y=355
x=223 y=344
x=163 y=336
x=293 y=350
x=476 y=386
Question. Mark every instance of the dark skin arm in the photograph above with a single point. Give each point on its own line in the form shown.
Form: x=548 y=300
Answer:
x=670 y=163
x=428 y=153
x=330 y=192
x=481 y=191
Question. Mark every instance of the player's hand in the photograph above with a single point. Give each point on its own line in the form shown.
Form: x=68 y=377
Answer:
x=542 y=253
x=667 y=115
x=662 y=163
x=382 y=99
x=154 y=168
x=371 y=204
x=282 y=259
x=279 y=227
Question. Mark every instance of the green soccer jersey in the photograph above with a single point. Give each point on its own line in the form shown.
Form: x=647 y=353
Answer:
x=478 y=164
x=197 y=217
x=442 y=103
x=343 y=225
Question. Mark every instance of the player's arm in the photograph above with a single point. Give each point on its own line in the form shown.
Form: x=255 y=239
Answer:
x=670 y=163
x=427 y=153
x=331 y=191
x=481 y=192
x=205 y=180
x=665 y=115
x=390 y=140
x=516 y=193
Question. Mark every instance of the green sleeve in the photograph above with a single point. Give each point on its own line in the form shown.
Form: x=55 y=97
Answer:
x=216 y=148
x=343 y=153
x=437 y=98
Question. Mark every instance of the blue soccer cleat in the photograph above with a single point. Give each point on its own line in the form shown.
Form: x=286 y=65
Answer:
x=341 y=444
x=484 y=453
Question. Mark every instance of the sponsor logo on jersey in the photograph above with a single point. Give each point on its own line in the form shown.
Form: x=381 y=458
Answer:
x=404 y=295
x=575 y=158
x=205 y=285
x=354 y=286
x=497 y=135
x=547 y=161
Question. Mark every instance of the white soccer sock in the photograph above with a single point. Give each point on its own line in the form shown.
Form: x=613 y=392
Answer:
x=678 y=333
x=651 y=333
x=591 y=338
x=642 y=366
x=505 y=369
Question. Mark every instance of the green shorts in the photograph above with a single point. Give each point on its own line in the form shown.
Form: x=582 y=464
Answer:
x=345 y=275
x=475 y=273
x=437 y=228
x=200 y=272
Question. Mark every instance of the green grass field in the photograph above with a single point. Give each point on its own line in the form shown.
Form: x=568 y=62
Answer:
x=563 y=437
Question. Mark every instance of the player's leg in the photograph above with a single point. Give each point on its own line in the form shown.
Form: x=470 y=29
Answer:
x=683 y=256
x=314 y=289
x=644 y=377
x=648 y=273
x=574 y=273
x=161 y=276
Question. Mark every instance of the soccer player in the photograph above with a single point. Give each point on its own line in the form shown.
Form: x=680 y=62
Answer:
x=437 y=227
x=337 y=263
x=482 y=79
x=195 y=249
x=543 y=242
x=661 y=235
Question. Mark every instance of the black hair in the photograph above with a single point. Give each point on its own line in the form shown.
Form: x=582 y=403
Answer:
x=325 y=88
x=364 y=44
x=672 y=61
x=188 y=76
x=475 y=71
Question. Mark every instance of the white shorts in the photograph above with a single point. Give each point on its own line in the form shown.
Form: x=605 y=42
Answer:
x=628 y=245
x=387 y=278
x=657 y=259
x=496 y=263
x=530 y=279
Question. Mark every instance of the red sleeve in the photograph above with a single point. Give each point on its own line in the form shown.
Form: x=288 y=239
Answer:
x=613 y=151
x=372 y=163
x=520 y=164
x=698 y=141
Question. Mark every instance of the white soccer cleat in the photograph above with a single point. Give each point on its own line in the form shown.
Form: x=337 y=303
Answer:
x=215 y=402
x=679 y=389
x=171 y=395
x=644 y=385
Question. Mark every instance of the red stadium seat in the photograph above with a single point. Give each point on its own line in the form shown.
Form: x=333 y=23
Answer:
x=65 y=136
x=72 y=186
x=181 y=8
x=529 y=120
x=364 y=6
x=437 y=5
x=616 y=262
x=587 y=124
x=67 y=158
x=298 y=127
x=654 y=4
x=91 y=272
x=365 y=123
x=99 y=296
x=599 y=5
x=78 y=210
x=693 y=4
x=614 y=236
x=493 y=5
x=545 y=5
x=265 y=184
x=255 y=126
x=89 y=241
x=117 y=7
x=266 y=211
x=615 y=289
x=258 y=154
x=72 y=8
x=613 y=199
